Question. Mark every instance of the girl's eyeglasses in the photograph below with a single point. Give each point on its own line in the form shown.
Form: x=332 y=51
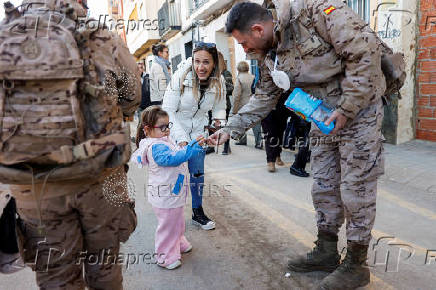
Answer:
x=163 y=128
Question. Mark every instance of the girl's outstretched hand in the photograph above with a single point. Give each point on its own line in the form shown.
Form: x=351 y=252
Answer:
x=200 y=140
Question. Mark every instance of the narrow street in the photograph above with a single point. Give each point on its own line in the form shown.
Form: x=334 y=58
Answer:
x=263 y=219
x=67 y=91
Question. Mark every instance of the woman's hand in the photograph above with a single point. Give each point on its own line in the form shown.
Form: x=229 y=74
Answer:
x=183 y=144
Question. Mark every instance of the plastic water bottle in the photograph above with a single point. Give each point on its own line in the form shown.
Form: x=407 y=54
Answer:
x=320 y=116
x=310 y=109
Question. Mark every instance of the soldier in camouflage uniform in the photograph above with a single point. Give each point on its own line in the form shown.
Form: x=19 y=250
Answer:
x=70 y=226
x=328 y=51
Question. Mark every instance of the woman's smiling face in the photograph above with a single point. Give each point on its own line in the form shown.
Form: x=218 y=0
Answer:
x=203 y=64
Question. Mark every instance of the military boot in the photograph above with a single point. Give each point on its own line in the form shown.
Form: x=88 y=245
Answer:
x=352 y=273
x=324 y=257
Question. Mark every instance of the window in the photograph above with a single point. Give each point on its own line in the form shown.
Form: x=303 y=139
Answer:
x=253 y=66
x=193 y=5
x=175 y=62
x=199 y=3
x=361 y=7
x=188 y=49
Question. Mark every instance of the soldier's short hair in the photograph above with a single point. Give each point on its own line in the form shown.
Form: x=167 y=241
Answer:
x=243 y=15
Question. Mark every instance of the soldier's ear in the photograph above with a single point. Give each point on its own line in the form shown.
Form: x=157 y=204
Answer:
x=257 y=30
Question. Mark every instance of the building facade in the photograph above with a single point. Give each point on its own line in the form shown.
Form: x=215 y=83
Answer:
x=116 y=22
x=142 y=26
x=408 y=26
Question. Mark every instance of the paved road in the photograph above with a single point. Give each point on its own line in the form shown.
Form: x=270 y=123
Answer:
x=263 y=219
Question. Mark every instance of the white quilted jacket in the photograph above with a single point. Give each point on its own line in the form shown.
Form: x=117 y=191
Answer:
x=187 y=115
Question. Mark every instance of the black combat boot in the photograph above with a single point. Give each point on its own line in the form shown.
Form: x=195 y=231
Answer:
x=353 y=271
x=324 y=257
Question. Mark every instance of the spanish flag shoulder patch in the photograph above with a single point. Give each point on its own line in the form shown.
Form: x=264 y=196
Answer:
x=330 y=10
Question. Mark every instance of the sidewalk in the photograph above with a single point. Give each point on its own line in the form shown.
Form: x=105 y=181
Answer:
x=412 y=164
x=267 y=218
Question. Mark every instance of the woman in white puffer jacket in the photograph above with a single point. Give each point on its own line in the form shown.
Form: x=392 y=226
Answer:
x=196 y=88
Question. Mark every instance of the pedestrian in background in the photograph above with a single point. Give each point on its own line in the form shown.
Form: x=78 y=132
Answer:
x=297 y=133
x=273 y=127
x=160 y=73
x=145 y=87
x=168 y=182
x=229 y=91
x=10 y=260
x=197 y=87
x=241 y=96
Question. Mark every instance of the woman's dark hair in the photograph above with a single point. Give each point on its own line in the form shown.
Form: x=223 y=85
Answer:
x=243 y=15
x=149 y=118
x=156 y=48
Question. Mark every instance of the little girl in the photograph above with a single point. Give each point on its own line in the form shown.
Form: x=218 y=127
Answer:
x=168 y=182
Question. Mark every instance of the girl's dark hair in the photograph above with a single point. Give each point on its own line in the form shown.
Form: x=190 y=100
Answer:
x=149 y=118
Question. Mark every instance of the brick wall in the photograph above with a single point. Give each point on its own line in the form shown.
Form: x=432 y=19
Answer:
x=426 y=72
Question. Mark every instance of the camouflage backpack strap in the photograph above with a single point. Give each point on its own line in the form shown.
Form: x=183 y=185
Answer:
x=393 y=66
x=89 y=84
x=88 y=149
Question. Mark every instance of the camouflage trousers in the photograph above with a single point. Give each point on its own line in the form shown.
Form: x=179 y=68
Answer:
x=77 y=231
x=345 y=169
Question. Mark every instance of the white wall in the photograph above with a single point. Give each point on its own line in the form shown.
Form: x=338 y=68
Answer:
x=176 y=45
x=400 y=34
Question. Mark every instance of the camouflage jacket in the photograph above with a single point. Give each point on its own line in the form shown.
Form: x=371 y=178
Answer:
x=335 y=57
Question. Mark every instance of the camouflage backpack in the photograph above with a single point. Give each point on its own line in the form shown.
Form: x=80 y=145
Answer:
x=394 y=70
x=56 y=121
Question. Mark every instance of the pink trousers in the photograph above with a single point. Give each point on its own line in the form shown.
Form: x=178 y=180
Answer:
x=170 y=240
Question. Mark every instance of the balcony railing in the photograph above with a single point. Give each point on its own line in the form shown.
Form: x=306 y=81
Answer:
x=198 y=3
x=169 y=19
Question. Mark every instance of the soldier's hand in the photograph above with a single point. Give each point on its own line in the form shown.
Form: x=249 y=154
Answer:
x=218 y=138
x=340 y=119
